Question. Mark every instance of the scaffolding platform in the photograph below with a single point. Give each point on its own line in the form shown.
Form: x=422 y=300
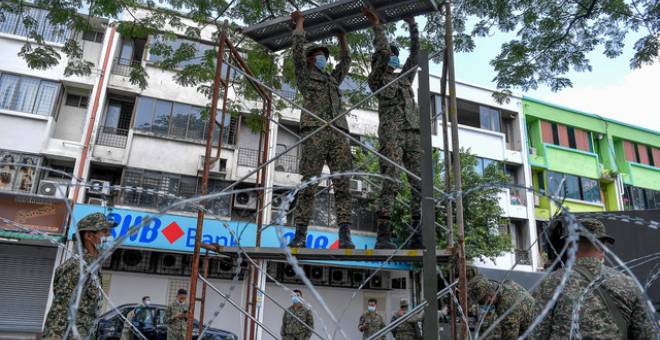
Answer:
x=311 y=254
x=340 y=16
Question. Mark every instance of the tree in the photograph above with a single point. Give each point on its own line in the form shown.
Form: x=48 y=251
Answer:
x=482 y=212
x=551 y=36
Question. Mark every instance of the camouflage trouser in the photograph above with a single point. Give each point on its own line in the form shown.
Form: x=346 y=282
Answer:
x=325 y=146
x=402 y=147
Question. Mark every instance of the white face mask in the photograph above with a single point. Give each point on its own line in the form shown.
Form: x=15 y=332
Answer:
x=106 y=243
x=147 y=302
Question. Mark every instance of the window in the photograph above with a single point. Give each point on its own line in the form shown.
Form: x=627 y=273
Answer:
x=27 y=94
x=200 y=50
x=489 y=118
x=94 y=36
x=154 y=189
x=16 y=177
x=180 y=121
x=483 y=164
x=573 y=187
x=14 y=24
x=635 y=198
x=640 y=153
x=566 y=136
x=76 y=100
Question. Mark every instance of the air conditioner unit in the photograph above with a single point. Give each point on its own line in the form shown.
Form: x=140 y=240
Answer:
x=289 y=275
x=135 y=260
x=224 y=268
x=358 y=277
x=339 y=277
x=218 y=166
x=98 y=187
x=380 y=281
x=96 y=201
x=56 y=189
x=537 y=200
x=245 y=200
x=277 y=202
x=318 y=275
x=170 y=264
x=357 y=185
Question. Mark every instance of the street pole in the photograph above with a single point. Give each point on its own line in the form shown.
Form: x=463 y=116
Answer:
x=453 y=112
x=428 y=205
x=192 y=294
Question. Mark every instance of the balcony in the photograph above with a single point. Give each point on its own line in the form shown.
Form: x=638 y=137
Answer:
x=122 y=67
x=114 y=137
x=571 y=161
x=644 y=176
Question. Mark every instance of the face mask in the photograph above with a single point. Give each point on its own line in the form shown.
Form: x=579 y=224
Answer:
x=394 y=62
x=106 y=243
x=320 y=61
x=485 y=309
x=295 y=299
x=371 y=309
x=147 y=302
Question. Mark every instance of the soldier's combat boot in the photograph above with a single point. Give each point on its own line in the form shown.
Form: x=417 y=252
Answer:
x=416 y=241
x=345 y=237
x=384 y=236
x=300 y=239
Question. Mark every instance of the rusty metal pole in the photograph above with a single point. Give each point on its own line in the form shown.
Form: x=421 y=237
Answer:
x=205 y=183
x=447 y=162
x=449 y=45
x=225 y=86
x=202 y=301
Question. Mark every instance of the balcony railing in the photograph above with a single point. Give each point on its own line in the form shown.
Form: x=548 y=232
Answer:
x=518 y=196
x=285 y=163
x=522 y=257
x=122 y=66
x=113 y=137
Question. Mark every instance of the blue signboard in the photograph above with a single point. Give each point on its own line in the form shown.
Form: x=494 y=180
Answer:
x=177 y=233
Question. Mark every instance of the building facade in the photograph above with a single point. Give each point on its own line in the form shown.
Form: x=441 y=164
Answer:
x=588 y=163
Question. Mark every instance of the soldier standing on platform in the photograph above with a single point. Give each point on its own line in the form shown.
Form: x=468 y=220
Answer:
x=176 y=316
x=94 y=233
x=408 y=330
x=398 y=128
x=321 y=95
x=371 y=322
x=292 y=329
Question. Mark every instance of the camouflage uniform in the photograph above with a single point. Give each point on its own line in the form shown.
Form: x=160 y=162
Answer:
x=595 y=320
x=292 y=329
x=409 y=329
x=64 y=289
x=321 y=95
x=398 y=128
x=509 y=293
x=372 y=323
x=176 y=328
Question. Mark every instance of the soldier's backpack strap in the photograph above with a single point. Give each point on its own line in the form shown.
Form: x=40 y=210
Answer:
x=608 y=299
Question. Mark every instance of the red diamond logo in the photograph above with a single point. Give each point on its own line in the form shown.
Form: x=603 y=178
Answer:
x=172 y=232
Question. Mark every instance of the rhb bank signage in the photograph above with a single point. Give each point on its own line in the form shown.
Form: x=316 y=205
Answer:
x=177 y=233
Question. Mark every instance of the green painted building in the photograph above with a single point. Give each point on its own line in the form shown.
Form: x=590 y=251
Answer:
x=589 y=162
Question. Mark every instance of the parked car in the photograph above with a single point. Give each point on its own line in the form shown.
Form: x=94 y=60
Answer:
x=109 y=326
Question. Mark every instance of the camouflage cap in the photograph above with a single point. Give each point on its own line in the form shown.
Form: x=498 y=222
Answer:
x=480 y=287
x=403 y=303
x=311 y=48
x=95 y=222
x=596 y=227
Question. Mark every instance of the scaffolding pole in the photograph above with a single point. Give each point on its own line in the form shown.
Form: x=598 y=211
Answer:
x=458 y=186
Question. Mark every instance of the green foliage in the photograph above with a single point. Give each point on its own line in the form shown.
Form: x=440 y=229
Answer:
x=482 y=212
x=550 y=37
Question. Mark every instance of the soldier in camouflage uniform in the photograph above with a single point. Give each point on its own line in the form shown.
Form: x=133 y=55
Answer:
x=409 y=330
x=612 y=308
x=321 y=95
x=176 y=316
x=292 y=329
x=371 y=322
x=398 y=128
x=94 y=231
x=502 y=297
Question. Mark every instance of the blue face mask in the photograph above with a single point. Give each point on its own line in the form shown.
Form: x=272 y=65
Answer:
x=371 y=309
x=320 y=61
x=484 y=309
x=295 y=299
x=394 y=62
x=106 y=243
